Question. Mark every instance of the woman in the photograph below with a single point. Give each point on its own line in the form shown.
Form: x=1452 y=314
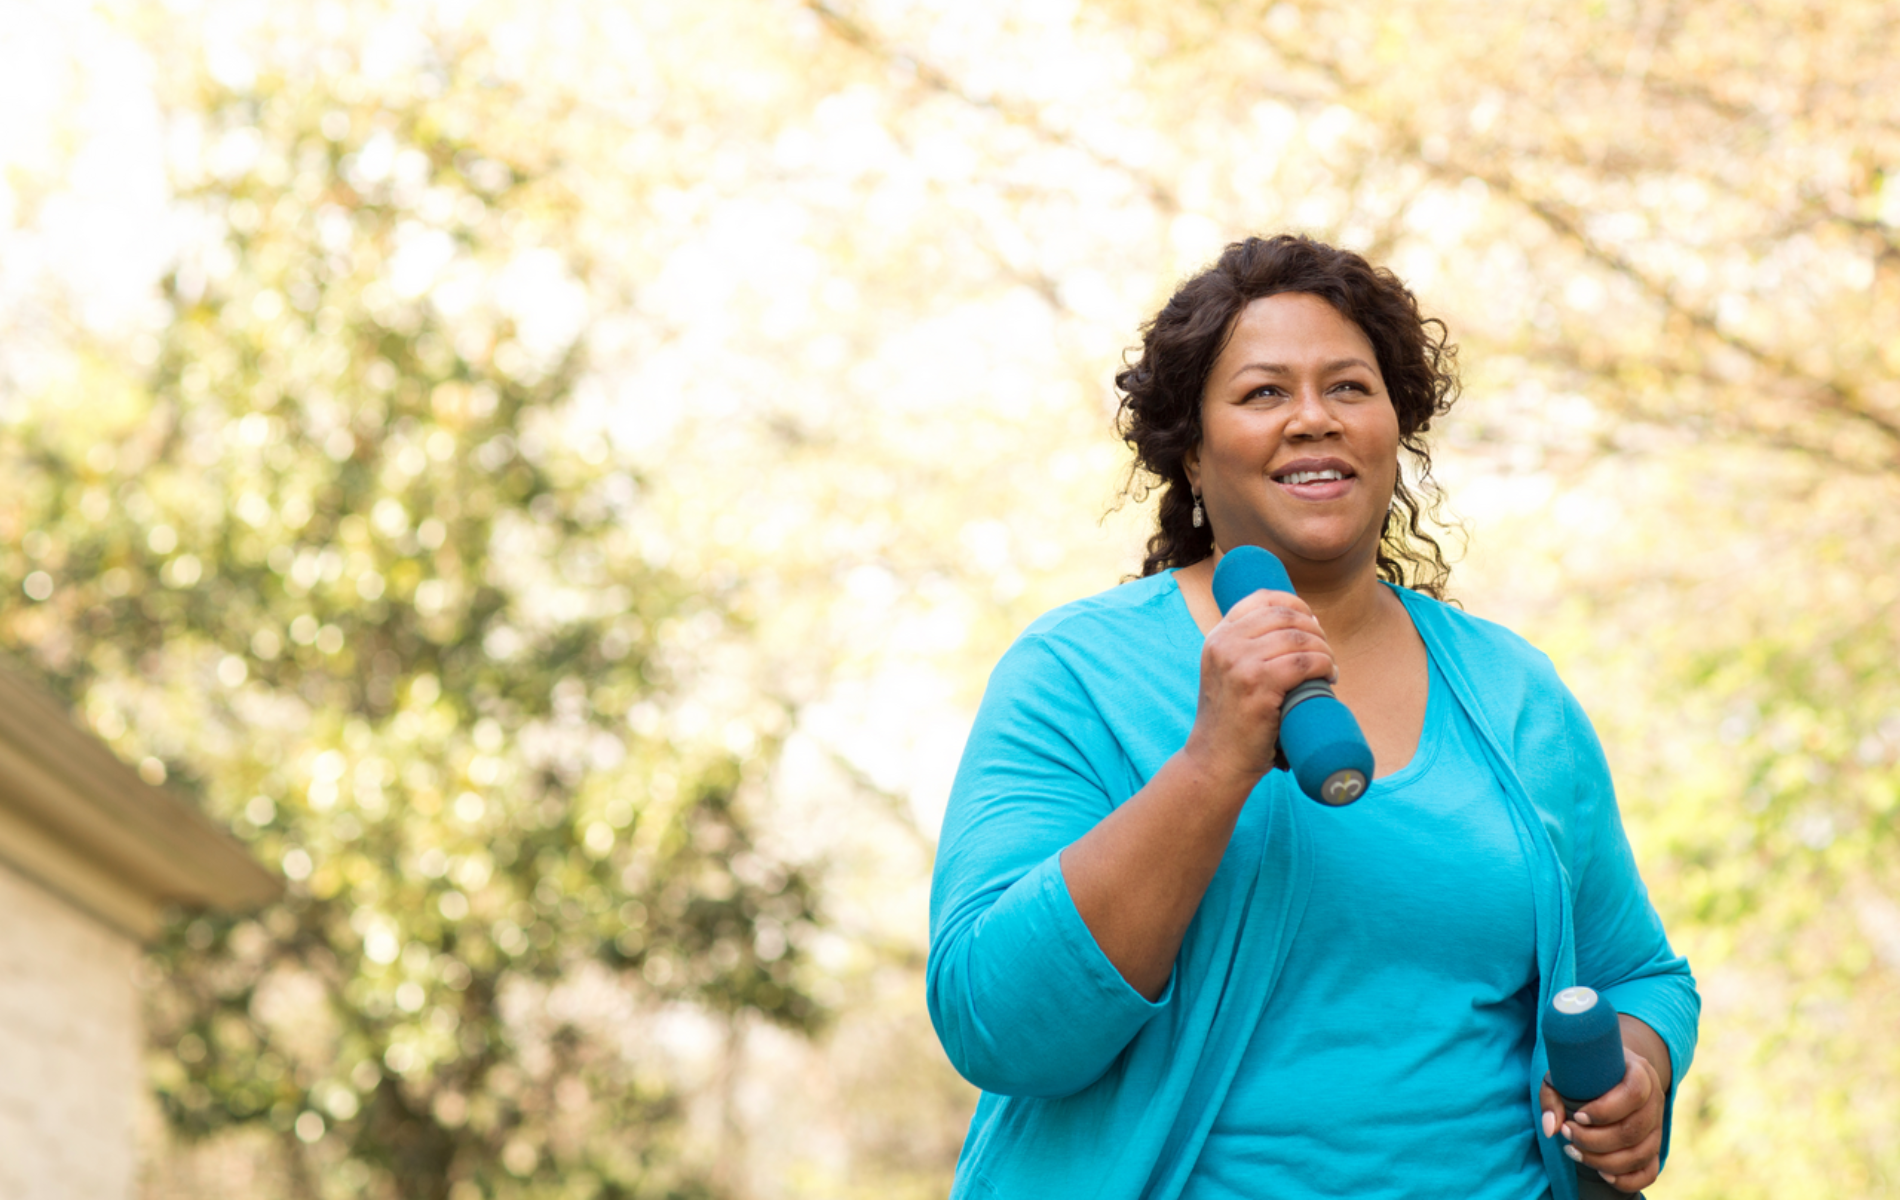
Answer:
x=1171 y=974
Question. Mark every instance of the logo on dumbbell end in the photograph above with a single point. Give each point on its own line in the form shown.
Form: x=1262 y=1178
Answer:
x=1344 y=788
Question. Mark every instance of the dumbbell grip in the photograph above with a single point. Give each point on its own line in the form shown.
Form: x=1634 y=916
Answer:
x=1590 y=1182
x=1312 y=689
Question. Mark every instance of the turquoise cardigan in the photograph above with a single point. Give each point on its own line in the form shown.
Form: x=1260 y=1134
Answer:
x=1091 y=1090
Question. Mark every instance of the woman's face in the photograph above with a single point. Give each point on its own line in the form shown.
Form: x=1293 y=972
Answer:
x=1299 y=440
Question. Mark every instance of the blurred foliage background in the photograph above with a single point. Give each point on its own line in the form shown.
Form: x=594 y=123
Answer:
x=553 y=479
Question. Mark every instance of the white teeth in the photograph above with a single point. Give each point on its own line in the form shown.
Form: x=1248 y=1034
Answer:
x=1311 y=476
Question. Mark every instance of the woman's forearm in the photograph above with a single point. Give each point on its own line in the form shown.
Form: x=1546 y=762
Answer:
x=1645 y=1041
x=1138 y=877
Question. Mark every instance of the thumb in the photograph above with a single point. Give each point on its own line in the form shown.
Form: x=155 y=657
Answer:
x=1553 y=1106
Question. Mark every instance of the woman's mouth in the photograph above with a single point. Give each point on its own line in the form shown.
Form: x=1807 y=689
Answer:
x=1315 y=482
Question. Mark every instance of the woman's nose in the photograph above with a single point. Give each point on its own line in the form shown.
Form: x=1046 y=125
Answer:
x=1311 y=416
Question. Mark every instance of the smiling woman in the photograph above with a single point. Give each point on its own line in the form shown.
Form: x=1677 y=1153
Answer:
x=1299 y=441
x=1172 y=977
x=1162 y=390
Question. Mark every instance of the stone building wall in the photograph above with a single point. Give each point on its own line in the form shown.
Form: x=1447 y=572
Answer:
x=69 y=1049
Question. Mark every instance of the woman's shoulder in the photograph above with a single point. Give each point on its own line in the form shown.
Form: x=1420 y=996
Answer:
x=1127 y=607
x=1498 y=672
x=1126 y=627
x=1474 y=637
x=1098 y=655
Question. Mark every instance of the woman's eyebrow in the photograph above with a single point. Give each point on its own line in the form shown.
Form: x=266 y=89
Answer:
x=1338 y=364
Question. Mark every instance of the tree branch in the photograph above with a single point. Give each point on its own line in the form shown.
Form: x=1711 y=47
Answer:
x=855 y=32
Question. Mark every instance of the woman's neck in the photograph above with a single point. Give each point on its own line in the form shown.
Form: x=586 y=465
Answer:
x=1351 y=606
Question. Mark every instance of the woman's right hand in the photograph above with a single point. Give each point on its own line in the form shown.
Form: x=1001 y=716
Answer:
x=1266 y=645
x=1137 y=878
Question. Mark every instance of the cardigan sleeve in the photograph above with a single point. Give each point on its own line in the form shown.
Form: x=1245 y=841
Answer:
x=1622 y=950
x=1022 y=997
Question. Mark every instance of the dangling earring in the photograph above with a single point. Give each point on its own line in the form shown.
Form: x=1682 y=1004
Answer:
x=1200 y=514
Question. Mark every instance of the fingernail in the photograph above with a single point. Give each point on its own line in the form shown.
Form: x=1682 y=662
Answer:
x=1581 y=1118
x=1550 y=1124
x=1574 y=1155
x=1607 y=1177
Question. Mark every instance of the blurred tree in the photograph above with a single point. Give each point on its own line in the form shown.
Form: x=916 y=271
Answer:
x=327 y=550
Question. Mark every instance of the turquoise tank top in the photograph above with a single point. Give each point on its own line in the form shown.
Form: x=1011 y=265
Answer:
x=1391 y=1061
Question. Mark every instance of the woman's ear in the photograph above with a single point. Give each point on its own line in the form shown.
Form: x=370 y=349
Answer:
x=1191 y=463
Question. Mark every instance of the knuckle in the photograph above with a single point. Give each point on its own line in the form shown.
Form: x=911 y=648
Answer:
x=1606 y=1141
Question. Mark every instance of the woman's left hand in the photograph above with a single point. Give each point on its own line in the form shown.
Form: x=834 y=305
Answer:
x=1619 y=1134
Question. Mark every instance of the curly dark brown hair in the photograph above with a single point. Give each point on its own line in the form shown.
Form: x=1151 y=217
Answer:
x=1160 y=416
